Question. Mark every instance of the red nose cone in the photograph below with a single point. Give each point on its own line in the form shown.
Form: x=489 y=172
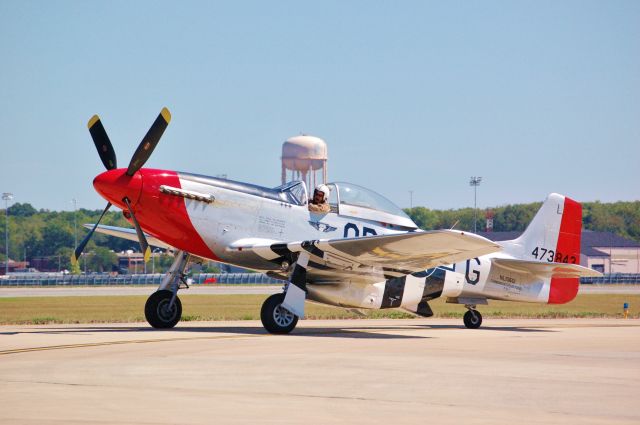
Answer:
x=114 y=185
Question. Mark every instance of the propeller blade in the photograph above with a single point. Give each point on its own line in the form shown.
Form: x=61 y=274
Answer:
x=149 y=142
x=76 y=254
x=144 y=245
x=102 y=142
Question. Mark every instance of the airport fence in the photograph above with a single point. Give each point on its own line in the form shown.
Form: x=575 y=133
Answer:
x=56 y=279
x=613 y=279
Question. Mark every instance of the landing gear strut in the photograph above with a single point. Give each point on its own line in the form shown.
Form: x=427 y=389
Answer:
x=472 y=318
x=163 y=309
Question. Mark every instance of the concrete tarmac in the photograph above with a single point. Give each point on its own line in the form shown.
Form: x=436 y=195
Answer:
x=570 y=371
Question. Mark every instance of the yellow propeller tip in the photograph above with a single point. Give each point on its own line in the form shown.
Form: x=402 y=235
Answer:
x=166 y=115
x=74 y=260
x=94 y=119
x=147 y=255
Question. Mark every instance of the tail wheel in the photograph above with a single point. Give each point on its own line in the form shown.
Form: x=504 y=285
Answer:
x=275 y=318
x=157 y=310
x=472 y=319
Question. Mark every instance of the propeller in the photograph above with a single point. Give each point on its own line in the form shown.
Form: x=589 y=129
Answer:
x=149 y=142
x=102 y=142
x=76 y=254
x=108 y=157
x=144 y=245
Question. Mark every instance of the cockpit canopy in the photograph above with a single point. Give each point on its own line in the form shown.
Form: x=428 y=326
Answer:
x=348 y=199
x=345 y=199
x=358 y=201
x=294 y=192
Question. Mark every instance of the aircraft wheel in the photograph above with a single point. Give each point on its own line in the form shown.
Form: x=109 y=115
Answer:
x=157 y=311
x=472 y=319
x=275 y=318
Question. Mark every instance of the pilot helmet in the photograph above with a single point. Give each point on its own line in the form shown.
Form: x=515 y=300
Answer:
x=324 y=189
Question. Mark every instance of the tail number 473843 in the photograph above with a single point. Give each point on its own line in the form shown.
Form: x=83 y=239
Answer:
x=544 y=254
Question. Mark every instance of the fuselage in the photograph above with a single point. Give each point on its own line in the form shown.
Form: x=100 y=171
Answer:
x=239 y=211
x=206 y=215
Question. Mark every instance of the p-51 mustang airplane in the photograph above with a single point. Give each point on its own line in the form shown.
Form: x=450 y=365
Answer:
x=366 y=253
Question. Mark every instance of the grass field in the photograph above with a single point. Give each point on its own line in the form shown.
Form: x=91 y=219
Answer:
x=106 y=309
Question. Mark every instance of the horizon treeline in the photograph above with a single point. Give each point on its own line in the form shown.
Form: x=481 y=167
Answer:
x=42 y=233
x=621 y=218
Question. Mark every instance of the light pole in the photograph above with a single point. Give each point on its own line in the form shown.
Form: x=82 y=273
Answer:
x=75 y=223
x=6 y=196
x=475 y=182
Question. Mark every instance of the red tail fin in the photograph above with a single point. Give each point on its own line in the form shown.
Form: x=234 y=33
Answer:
x=563 y=290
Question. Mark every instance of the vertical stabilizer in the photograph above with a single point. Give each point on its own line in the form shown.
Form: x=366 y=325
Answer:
x=554 y=233
x=553 y=236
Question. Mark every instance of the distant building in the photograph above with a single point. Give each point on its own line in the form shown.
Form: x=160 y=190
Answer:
x=605 y=252
x=14 y=266
x=131 y=262
x=52 y=263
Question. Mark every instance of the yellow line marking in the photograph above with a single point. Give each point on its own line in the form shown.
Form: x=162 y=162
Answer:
x=308 y=332
x=132 y=341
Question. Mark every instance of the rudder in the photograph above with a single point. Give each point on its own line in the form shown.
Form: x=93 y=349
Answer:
x=554 y=233
x=554 y=236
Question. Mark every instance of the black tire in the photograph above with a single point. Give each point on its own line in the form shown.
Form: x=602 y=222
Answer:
x=157 y=313
x=472 y=319
x=275 y=318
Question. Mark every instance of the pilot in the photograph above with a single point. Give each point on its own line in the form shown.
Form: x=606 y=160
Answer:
x=319 y=202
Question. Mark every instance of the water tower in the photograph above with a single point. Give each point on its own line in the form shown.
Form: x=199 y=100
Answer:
x=304 y=156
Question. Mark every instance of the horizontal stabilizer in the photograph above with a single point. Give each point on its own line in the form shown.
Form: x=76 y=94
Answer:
x=542 y=269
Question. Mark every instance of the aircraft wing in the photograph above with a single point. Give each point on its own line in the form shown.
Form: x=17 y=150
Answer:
x=543 y=269
x=130 y=234
x=374 y=258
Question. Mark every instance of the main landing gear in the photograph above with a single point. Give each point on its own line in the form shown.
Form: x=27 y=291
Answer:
x=280 y=312
x=472 y=318
x=275 y=318
x=163 y=309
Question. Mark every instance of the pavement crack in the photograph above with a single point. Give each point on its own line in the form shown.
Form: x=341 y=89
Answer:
x=67 y=384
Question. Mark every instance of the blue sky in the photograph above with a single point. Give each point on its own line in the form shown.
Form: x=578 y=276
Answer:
x=536 y=97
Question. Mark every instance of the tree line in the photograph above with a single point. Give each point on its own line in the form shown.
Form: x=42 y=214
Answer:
x=622 y=218
x=52 y=234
